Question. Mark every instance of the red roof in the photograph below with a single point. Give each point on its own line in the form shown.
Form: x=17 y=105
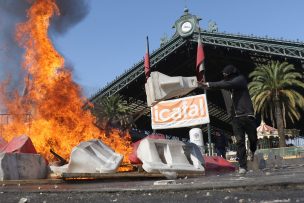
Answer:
x=263 y=128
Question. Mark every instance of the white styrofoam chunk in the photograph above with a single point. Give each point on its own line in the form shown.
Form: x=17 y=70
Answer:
x=160 y=87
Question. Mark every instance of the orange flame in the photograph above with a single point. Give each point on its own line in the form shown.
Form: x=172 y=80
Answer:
x=51 y=98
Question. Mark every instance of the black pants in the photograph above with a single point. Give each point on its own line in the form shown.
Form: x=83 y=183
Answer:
x=241 y=126
x=221 y=151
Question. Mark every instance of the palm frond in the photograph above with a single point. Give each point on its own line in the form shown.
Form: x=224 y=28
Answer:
x=276 y=79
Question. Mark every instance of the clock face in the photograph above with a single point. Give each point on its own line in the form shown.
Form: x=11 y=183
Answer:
x=186 y=27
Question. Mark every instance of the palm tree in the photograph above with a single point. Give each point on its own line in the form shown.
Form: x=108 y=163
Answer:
x=275 y=94
x=112 y=112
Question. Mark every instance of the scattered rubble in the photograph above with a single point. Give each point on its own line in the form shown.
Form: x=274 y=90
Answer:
x=165 y=182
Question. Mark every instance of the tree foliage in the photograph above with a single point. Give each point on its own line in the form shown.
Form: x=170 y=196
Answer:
x=277 y=80
x=112 y=112
x=275 y=91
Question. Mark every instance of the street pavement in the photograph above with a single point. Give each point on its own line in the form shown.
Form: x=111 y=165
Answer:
x=278 y=183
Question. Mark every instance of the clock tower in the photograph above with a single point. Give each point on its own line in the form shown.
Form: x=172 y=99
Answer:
x=187 y=24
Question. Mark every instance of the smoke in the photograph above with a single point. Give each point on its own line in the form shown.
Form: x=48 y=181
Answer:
x=71 y=13
x=13 y=12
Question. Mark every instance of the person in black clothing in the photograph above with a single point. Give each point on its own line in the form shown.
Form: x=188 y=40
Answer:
x=220 y=144
x=240 y=109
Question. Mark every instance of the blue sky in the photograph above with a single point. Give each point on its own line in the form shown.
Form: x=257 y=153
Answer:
x=111 y=38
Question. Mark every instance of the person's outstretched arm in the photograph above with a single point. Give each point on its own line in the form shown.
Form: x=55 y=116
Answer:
x=238 y=82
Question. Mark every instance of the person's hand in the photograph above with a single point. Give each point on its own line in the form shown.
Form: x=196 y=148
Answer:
x=203 y=85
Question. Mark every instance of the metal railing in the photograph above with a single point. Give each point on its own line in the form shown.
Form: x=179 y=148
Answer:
x=285 y=152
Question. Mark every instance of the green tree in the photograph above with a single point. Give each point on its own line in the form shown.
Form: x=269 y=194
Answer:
x=113 y=112
x=275 y=94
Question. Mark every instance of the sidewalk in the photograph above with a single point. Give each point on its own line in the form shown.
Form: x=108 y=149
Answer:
x=284 y=180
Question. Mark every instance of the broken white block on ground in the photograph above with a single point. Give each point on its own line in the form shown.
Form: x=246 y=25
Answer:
x=21 y=166
x=169 y=156
x=92 y=156
x=165 y=182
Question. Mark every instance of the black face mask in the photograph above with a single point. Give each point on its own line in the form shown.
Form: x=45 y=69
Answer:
x=228 y=76
x=230 y=72
x=225 y=75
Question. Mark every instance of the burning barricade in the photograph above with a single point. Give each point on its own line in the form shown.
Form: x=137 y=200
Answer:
x=160 y=156
x=19 y=159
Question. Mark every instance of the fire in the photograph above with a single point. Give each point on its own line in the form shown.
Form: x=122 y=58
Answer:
x=50 y=108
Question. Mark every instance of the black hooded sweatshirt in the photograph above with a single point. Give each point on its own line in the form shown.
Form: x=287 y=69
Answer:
x=235 y=93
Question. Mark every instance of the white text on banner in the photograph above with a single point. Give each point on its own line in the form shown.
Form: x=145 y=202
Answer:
x=183 y=112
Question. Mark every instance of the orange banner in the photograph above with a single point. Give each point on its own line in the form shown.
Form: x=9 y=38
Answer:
x=183 y=112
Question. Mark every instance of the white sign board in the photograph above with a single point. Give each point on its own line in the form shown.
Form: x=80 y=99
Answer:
x=183 y=112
